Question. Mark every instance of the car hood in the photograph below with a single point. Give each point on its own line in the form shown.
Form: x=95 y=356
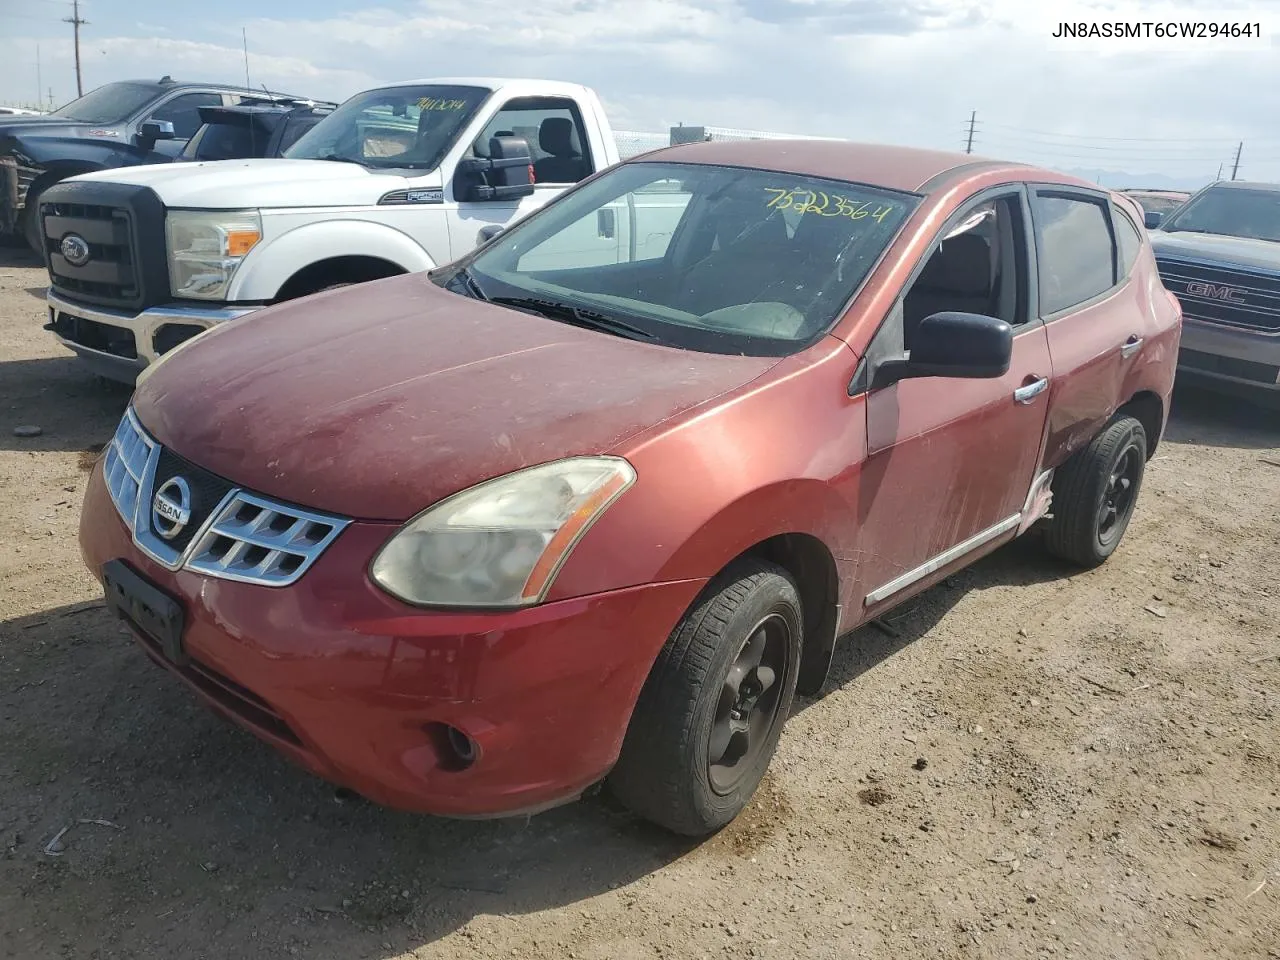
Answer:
x=44 y=125
x=378 y=400
x=1214 y=248
x=267 y=183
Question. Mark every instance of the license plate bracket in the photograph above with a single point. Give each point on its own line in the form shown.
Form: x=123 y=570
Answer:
x=155 y=613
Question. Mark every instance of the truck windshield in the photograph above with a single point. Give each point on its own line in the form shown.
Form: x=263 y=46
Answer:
x=110 y=103
x=410 y=127
x=709 y=258
x=1231 y=212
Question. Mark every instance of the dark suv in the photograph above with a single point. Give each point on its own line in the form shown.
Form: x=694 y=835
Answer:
x=1219 y=253
x=253 y=129
x=119 y=124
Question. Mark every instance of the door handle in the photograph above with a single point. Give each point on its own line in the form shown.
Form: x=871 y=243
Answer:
x=1032 y=390
x=1130 y=346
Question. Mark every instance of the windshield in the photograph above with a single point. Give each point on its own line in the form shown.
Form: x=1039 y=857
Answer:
x=1231 y=212
x=717 y=259
x=395 y=128
x=1156 y=203
x=111 y=103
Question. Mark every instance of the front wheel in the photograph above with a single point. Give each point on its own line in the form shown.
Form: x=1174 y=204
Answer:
x=1094 y=494
x=708 y=719
x=32 y=229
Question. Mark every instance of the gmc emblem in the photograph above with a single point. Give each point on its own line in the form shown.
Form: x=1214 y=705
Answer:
x=1212 y=291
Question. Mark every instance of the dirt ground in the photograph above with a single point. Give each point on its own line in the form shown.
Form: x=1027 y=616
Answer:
x=1028 y=762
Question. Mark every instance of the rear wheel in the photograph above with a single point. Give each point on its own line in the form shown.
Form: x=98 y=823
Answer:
x=709 y=717
x=1094 y=494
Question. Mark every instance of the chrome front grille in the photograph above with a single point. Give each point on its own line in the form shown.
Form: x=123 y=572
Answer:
x=241 y=536
x=125 y=467
x=260 y=541
x=1234 y=298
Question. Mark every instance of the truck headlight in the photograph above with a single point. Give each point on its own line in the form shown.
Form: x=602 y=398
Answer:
x=206 y=248
x=502 y=542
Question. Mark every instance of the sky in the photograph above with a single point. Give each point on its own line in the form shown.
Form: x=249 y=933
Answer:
x=897 y=71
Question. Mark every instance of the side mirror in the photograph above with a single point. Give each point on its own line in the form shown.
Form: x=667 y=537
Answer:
x=962 y=345
x=153 y=130
x=1152 y=219
x=487 y=233
x=506 y=174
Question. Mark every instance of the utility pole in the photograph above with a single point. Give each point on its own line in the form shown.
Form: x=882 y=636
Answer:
x=1236 y=166
x=973 y=119
x=1219 y=176
x=76 y=24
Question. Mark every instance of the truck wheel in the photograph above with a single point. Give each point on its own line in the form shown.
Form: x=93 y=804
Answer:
x=31 y=224
x=708 y=719
x=1094 y=494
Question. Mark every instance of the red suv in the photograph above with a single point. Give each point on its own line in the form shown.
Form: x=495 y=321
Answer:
x=595 y=501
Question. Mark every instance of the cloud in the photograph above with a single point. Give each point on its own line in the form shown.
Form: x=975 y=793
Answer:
x=906 y=72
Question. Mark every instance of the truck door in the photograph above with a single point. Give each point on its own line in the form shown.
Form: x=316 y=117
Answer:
x=562 y=156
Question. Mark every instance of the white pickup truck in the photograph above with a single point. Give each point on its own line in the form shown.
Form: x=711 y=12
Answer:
x=398 y=179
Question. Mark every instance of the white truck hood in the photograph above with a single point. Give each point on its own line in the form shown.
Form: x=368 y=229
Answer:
x=266 y=184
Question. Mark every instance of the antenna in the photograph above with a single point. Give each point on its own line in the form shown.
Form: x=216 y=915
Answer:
x=244 y=36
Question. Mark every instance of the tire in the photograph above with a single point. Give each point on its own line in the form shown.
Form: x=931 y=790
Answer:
x=31 y=230
x=1094 y=494
x=672 y=769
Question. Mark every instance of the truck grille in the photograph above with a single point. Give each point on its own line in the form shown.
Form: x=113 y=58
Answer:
x=114 y=233
x=109 y=272
x=1233 y=298
x=229 y=533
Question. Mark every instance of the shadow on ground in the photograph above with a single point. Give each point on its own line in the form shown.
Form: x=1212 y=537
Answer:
x=218 y=834
x=1214 y=419
x=1020 y=563
x=74 y=409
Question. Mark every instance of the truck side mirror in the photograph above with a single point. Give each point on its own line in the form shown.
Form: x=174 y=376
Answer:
x=153 y=130
x=506 y=174
x=1152 y=219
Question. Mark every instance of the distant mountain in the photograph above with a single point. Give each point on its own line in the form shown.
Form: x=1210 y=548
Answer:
x=1119 y=180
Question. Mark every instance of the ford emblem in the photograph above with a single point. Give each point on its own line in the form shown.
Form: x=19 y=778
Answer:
x=75 y=250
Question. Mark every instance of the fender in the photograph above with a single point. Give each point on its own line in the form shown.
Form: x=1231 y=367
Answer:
x=86 y=154
x=269 y=266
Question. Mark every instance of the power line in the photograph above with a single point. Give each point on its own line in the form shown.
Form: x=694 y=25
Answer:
x=1081 y=136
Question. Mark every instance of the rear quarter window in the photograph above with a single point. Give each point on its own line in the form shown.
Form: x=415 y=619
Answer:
x=1128 y=241
x=1075 y=249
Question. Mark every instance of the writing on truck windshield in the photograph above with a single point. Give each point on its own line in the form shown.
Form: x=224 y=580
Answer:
x=718 y=259
x=1232 y=212
x=409 y=127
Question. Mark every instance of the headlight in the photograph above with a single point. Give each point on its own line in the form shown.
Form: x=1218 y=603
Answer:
x=501 y=543
x=207 y=247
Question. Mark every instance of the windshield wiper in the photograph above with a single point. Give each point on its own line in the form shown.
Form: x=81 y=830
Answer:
x=469 y=281
x=578 y=316
x=339 y=159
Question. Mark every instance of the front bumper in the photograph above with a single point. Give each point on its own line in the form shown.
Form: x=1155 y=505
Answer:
x=118 y=344
x=352 y=685
x=1214 y=352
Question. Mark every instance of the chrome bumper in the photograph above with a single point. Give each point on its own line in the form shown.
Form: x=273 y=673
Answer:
x=125 y=328
x=1246 y=357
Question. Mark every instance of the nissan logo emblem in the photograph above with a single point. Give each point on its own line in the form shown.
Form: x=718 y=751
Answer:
x=171 y=508
x=75 y=250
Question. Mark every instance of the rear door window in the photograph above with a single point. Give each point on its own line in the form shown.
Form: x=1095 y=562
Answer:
x=1077 y=256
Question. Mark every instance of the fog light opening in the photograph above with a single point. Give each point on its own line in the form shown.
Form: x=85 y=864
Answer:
x=456 y=750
